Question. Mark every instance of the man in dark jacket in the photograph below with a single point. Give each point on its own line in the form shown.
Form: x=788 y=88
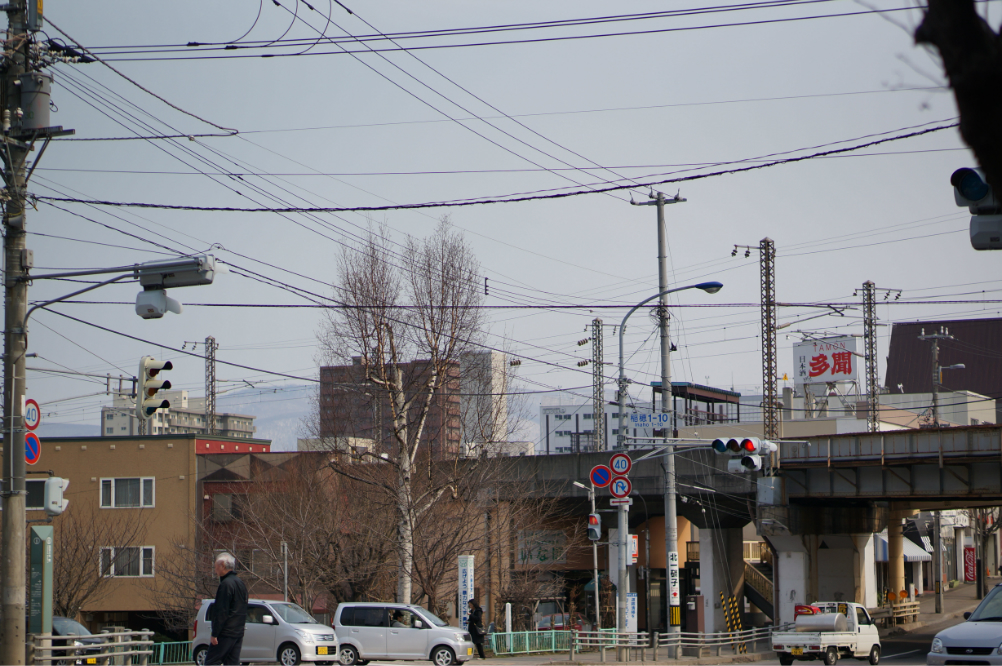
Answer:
x=229 y=614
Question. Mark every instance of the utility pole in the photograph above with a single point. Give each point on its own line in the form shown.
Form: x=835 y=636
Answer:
x=937 y=369
x=210 y=385
x=770 y=414
x=25 y=119
x=598 y=390
x=870 y=356
x=668 y=464
x=937 y=567
x=767 y=277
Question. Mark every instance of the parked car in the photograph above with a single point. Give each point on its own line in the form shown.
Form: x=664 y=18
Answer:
x=829 y=630
x=275 y=631
x=84 y=643
x=563 y=622
x=977 y=640
x=369 y=631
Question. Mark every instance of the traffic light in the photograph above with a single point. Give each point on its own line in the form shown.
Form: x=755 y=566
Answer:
x=972 y=190
x=54 y=488
x=748 y=452
x=146 y=402
x=594 y=526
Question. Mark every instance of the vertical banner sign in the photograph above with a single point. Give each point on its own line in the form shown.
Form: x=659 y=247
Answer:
x=465 y=588
x=674 y=600
x=631 y=612
x=40 y=581
x=970 y=565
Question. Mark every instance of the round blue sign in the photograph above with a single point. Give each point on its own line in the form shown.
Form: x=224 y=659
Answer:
x=32 y=448
x=600 y=476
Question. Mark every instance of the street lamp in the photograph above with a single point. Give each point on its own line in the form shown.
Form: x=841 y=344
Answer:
x=671 y=516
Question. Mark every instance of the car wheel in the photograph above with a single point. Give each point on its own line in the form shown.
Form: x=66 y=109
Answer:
x=785 y=659
x=831 y=656
x=443 y=656
x=348 y=656
x=200 y=653
x=288 y=655
x=875 y=655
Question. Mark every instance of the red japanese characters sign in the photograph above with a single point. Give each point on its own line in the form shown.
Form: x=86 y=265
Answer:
x=825 y=360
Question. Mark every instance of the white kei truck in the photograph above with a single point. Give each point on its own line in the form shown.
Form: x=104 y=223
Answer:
x=828 y=630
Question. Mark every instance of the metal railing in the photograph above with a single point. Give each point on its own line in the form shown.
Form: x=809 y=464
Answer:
x=118 y=647
x=759 y=581
x=171 y=653
x=738 y=641
x=524 y=642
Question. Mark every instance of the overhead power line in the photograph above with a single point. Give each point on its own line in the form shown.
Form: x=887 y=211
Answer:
x=484 y=201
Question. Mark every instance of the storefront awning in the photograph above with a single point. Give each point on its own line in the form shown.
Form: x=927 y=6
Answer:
x=913 y=552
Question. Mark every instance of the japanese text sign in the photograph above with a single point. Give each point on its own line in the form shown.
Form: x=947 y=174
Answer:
x=826 y=360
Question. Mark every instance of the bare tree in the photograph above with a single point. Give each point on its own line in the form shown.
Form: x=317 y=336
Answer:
x=403 y=328
x=80 y=535
x=971 y=52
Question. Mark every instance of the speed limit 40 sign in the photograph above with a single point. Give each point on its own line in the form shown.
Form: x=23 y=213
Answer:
x=32 y=414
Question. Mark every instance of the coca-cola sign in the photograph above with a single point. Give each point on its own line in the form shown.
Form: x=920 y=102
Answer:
x=970 y=565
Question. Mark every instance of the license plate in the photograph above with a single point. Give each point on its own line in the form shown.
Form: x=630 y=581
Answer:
x=797 y=651
x=321 y=649
x=469 y=652
x=92 y=660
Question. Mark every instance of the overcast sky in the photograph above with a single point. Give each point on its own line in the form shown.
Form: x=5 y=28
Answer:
x=329 y=129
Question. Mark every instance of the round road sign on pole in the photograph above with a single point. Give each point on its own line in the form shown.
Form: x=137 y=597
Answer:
x=621 y=464
x=32 y=414
x=620 y=487
x=32 y=448
x=600 y=476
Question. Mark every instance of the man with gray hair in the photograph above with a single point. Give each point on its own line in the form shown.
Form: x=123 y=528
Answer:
x=229 y=613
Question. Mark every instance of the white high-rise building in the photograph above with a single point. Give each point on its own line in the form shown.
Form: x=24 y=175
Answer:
x=185 y=415
x=567 y=424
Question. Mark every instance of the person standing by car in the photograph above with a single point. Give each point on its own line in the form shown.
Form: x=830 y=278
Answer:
x=476 y=626
x=229 y=614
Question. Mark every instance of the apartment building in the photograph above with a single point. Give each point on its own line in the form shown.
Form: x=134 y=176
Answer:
x=184 y=416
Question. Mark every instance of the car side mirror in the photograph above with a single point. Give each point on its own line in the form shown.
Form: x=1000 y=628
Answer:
x=967 y=616
x=268 y=619
x=418 y=624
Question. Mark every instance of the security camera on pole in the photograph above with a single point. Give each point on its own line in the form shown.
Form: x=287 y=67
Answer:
x=971 y=189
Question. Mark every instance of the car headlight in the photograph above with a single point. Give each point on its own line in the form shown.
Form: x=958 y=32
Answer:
x=459 y=637
x=78 y=643
x=937 y=645
x=306 y=636
x=998 y=650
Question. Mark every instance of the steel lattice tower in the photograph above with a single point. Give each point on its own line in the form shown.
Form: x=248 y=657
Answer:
x=210 y=385
x=870 y=355
x=598 y=391
x=770 y=413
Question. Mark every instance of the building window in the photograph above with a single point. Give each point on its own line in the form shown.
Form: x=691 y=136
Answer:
x=35 y=494
x=111 y=431
x=125 y=428
x=615 y=431
x=132 y=561
x=129 y=493
x=110 y=417
x=227 y=507
x=587 y=416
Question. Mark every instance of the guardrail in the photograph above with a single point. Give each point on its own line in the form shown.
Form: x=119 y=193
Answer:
x=693 y=644
x=171 y=653
x=119 y=647
x=524 y=642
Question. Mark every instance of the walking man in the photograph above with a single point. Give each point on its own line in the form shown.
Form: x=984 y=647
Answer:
x=229 y=613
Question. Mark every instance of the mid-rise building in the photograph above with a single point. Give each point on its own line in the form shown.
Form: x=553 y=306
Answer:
x=184 y=416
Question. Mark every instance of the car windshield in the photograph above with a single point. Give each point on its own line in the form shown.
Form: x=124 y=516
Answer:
x=989 y=610
x=431 y=617
x=293 y=614
x=64 y=626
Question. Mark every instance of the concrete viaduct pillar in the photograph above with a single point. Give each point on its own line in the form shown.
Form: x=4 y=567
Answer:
x=721 y=569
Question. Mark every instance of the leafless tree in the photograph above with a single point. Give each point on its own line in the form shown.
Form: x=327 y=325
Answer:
x=79 y=535
x=971 y=53
x=408 y=318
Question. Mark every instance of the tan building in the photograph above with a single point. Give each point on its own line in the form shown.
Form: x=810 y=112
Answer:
x=137 y=493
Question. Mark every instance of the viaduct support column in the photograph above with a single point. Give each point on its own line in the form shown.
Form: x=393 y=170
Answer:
x=721 y=569
x=895 y=555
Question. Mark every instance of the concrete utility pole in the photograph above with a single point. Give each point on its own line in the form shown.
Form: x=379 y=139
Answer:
x=937 y=369
x=671 y=515
x=210 y=386
x=937 y=566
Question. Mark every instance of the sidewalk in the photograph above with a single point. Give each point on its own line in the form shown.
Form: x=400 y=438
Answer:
x=955 y=603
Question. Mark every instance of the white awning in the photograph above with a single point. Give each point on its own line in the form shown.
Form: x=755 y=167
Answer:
x=912 y=551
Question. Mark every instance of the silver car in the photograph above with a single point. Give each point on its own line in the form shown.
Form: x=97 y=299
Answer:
x=275 y=631
x=371 y=631
x=976 y=641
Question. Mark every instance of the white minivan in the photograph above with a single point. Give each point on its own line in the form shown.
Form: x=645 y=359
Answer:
x=371 y=631
x=275 y=631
